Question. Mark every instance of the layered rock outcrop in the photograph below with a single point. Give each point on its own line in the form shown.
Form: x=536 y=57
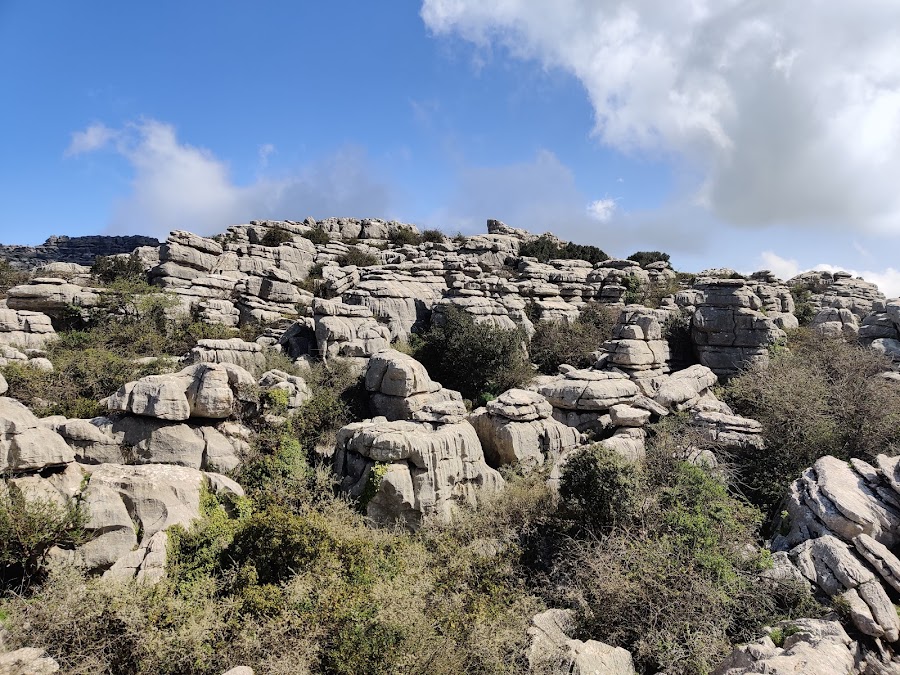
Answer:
x=78 y=250
x=399 y=387
x=405 y=471
x=518 y=428
x=840 y=529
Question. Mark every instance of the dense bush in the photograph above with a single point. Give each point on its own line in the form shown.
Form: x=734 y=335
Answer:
x=804 y=309
x=276 y=236
x=317 y=235
x=405 y=236
x=546 y=248
x=359 y=258
x=555 y=343
x=433 y=236
x=644 y=258
x=110 y=269
x=29 y=528
x=473 y=358
x=671 y=572
x=819 y=397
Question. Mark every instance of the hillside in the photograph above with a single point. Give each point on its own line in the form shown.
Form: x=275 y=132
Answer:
x=348 y=446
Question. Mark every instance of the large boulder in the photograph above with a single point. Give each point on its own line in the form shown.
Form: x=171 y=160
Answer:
x=405 y=471
x=553 y=652
x=589 y=390
x=518 y=428
x=248 y=355
x=24 y=329
x=26 y=444
x=347 y=330
x=51 y=296
x=27 y=661
x=399 y=386
x=203 y=390
x=808 y=646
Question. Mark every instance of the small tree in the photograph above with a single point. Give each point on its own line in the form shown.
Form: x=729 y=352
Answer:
x=644 y=258
x=113 y=268
x=317 y=235
x=473 y=358
x=276 y=236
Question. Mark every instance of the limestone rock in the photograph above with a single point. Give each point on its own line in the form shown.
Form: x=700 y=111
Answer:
x=813 y=647
x=553 y=652
x=833 y=322
x=517 y=427
x=24 y=329
x=27 y=661
x=25 y=444
x=238 y=352
x=204 y=390
x=412 y=470
x=347 y=330
x=684 y=388
x=589 y=390
x=400 y=386
x=51 y=296
x=729 y=432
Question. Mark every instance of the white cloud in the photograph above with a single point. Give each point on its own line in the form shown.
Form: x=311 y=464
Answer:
x=789 y=110
x=602 y=210
x=93 y=138
x=179 y=186
x=783 y=268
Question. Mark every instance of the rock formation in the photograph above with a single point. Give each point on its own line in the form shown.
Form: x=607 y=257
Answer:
x=78 y=250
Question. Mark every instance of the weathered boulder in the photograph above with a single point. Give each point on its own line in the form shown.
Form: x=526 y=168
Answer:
x=589 y=390
x=810 y=646
x=51 y=296
x=25 y=444
x=728 y=330
x=518 y=427
x=684 y=388
x=728 y=432
x=27 y=661
x=347 y=330
x=24 y=329
x=834 y=322
x=248 y=355
x=406 y=471
x=553 y=652
x=637 y=344
x=399 y=386
x=206 y=390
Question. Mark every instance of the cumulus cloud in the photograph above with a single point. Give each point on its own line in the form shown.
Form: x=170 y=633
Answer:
x=602 y=210
x=790 y=111
x=888 y=280
x=93 y=138
x=178 y=186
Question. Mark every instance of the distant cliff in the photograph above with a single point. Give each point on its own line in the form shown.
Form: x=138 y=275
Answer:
x=81 y=250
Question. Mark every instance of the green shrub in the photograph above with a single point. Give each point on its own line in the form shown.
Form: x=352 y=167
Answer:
x=110 y=269
x=359 y=258
x=644 y=258
x=635 y=292
x=804 y=309
x=29 y=527
x=276 y=236
x=10 y=276
x=819 y=397
x=598 y=488
x=493 y=358
x=555 y=343
x=546 y=248
x=404 y=236
x=317 y=235
x=433 y=236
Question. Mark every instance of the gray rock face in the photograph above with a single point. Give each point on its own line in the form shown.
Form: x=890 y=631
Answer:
x=347 y=330
x=27 y=330
x=248 y=355
x=728 y=330
x=400 y=386
x=203 y=390
x=589 y=390
x=637 y=345
x=834 y=322
x=728 y=432
x=553 y=652
x=27 y=661
x=408 y=471
x=25 y=444
x=839 y=290
x=814 y=647
x=683 y=389
x=51 y=296
x=842 y=522
x=518 y=428
x=79 y=250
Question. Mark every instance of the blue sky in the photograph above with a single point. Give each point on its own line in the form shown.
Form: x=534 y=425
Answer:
x=712 y=130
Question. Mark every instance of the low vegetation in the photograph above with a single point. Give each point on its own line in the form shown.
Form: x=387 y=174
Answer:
x=477 y=359
x=123 y=269
x=547 y=247
x=10 y=276
x=405 y=236
x=555 y=343
x=317 y=235
x=819 y=397
x=276 y=236
x=358 y=257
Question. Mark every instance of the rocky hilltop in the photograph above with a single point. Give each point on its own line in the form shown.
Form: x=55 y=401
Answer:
x=78 y=250
x=453 y=454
